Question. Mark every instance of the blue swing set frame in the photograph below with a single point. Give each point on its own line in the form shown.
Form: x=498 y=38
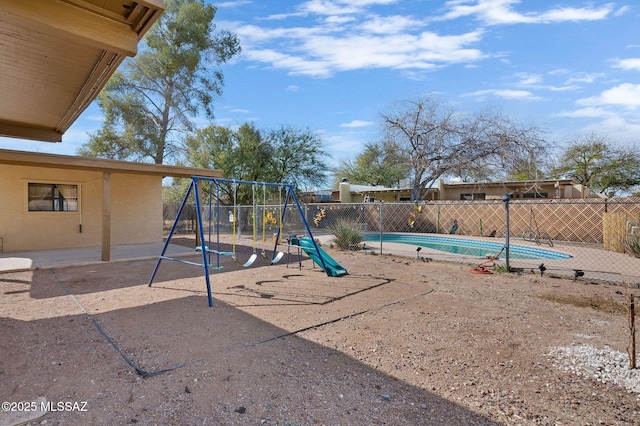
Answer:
x=206 y=249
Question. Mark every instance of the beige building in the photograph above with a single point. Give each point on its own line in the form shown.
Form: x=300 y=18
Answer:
x=540 y=189
x=543 y=188
x=55 y=201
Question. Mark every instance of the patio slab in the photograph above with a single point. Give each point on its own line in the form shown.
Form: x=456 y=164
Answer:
x=43 y=259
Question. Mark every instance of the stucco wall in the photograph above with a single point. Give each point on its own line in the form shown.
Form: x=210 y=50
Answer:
x=136 y=209
x=136 y=215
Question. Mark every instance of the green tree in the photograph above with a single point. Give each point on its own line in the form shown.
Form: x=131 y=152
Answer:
x=152 y=101
x=378 y=164
x=297 y=158
x=285 y=155
x=594 y=161
x=240 y=154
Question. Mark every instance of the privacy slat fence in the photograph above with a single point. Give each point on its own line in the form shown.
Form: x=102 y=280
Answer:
x=596 y=233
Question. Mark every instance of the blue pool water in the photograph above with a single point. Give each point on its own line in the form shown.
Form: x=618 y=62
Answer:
x=467 y=247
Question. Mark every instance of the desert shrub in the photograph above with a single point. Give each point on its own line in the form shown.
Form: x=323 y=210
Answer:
x=632 y=244
x=346 y=235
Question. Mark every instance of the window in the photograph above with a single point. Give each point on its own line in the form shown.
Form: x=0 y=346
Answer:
x=474 y=196
x=535 y=195
x=49 y=197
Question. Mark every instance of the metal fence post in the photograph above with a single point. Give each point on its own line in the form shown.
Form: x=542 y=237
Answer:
x=506 y=199
x=381 y=220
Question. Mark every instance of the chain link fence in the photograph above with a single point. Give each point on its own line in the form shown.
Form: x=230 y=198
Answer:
x=595 y=240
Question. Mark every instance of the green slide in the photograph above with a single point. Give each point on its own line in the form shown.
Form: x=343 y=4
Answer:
x=333 y=268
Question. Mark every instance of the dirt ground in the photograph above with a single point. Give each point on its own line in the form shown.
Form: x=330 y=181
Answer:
x=397 y=341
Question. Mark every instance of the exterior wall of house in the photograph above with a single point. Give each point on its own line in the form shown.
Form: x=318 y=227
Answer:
x=548 y=189
x=524 y=190
x=136 y=210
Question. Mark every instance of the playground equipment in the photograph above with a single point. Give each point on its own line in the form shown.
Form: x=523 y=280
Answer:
x=209 y=247
x=276 y=257
x=319 y=256
x=254 y=256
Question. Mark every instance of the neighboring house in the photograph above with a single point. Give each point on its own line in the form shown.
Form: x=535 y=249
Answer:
x=52 y=201
x=545 y=188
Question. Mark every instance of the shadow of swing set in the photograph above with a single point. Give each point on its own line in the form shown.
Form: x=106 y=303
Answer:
x=211 y=248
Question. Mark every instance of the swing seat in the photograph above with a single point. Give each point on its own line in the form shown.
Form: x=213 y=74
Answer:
x=277 y=258
x=248 y=262
x=220 y=253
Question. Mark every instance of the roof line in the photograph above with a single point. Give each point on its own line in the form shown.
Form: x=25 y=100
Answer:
x=33 y=159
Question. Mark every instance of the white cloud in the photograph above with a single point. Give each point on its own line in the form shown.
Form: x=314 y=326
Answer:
x=623 y=10
x=588 y=112
x=358 y=123
x=322 y=51
x=390 y=24
x=347 y=39
x=522 y=95
x=632 y=64
x=296 y=65
x=348 y=35
x=339 y=7
x=339 y=20
x=582 y=77
x=613 y=111
x=500 y=12
x=566 y=88
x=529 y=79
x=618 y=128
x=229 y=4
x=626 y=95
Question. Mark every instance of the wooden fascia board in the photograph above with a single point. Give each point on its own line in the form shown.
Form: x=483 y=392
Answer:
x=30 y=159
x=33 y=133
x=92 y=87
x=71 y=22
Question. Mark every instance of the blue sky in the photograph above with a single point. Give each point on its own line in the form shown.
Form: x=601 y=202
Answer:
x=570 y=67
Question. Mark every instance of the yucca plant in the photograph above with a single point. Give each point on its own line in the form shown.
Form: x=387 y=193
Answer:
x=632 y=244
x=346 y=235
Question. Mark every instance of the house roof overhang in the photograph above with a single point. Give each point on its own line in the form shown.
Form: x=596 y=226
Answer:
x=515 y=184
x=32 y=159
x=56 y=56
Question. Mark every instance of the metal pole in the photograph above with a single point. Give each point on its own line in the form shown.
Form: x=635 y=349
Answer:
x=632 y=330
x=506 y=200
x=381 y=203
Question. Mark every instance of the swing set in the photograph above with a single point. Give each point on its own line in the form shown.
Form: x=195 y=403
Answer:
x=209 y=226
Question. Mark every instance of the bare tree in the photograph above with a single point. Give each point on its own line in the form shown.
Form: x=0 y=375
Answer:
x=436 y=141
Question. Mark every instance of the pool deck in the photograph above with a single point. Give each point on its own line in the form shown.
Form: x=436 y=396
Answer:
x=45 y=259
x=597 y=264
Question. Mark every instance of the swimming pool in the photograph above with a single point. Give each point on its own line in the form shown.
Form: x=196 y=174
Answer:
x=466 y=247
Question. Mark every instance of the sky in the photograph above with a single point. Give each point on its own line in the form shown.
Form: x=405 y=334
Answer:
x=570 y=67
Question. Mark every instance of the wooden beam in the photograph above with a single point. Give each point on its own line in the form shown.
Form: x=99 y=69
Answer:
x=106 y=216
x=34 y=133
x=74 y=23
x=37 y=159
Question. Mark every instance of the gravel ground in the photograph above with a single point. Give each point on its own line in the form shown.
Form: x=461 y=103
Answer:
x=397 y=341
